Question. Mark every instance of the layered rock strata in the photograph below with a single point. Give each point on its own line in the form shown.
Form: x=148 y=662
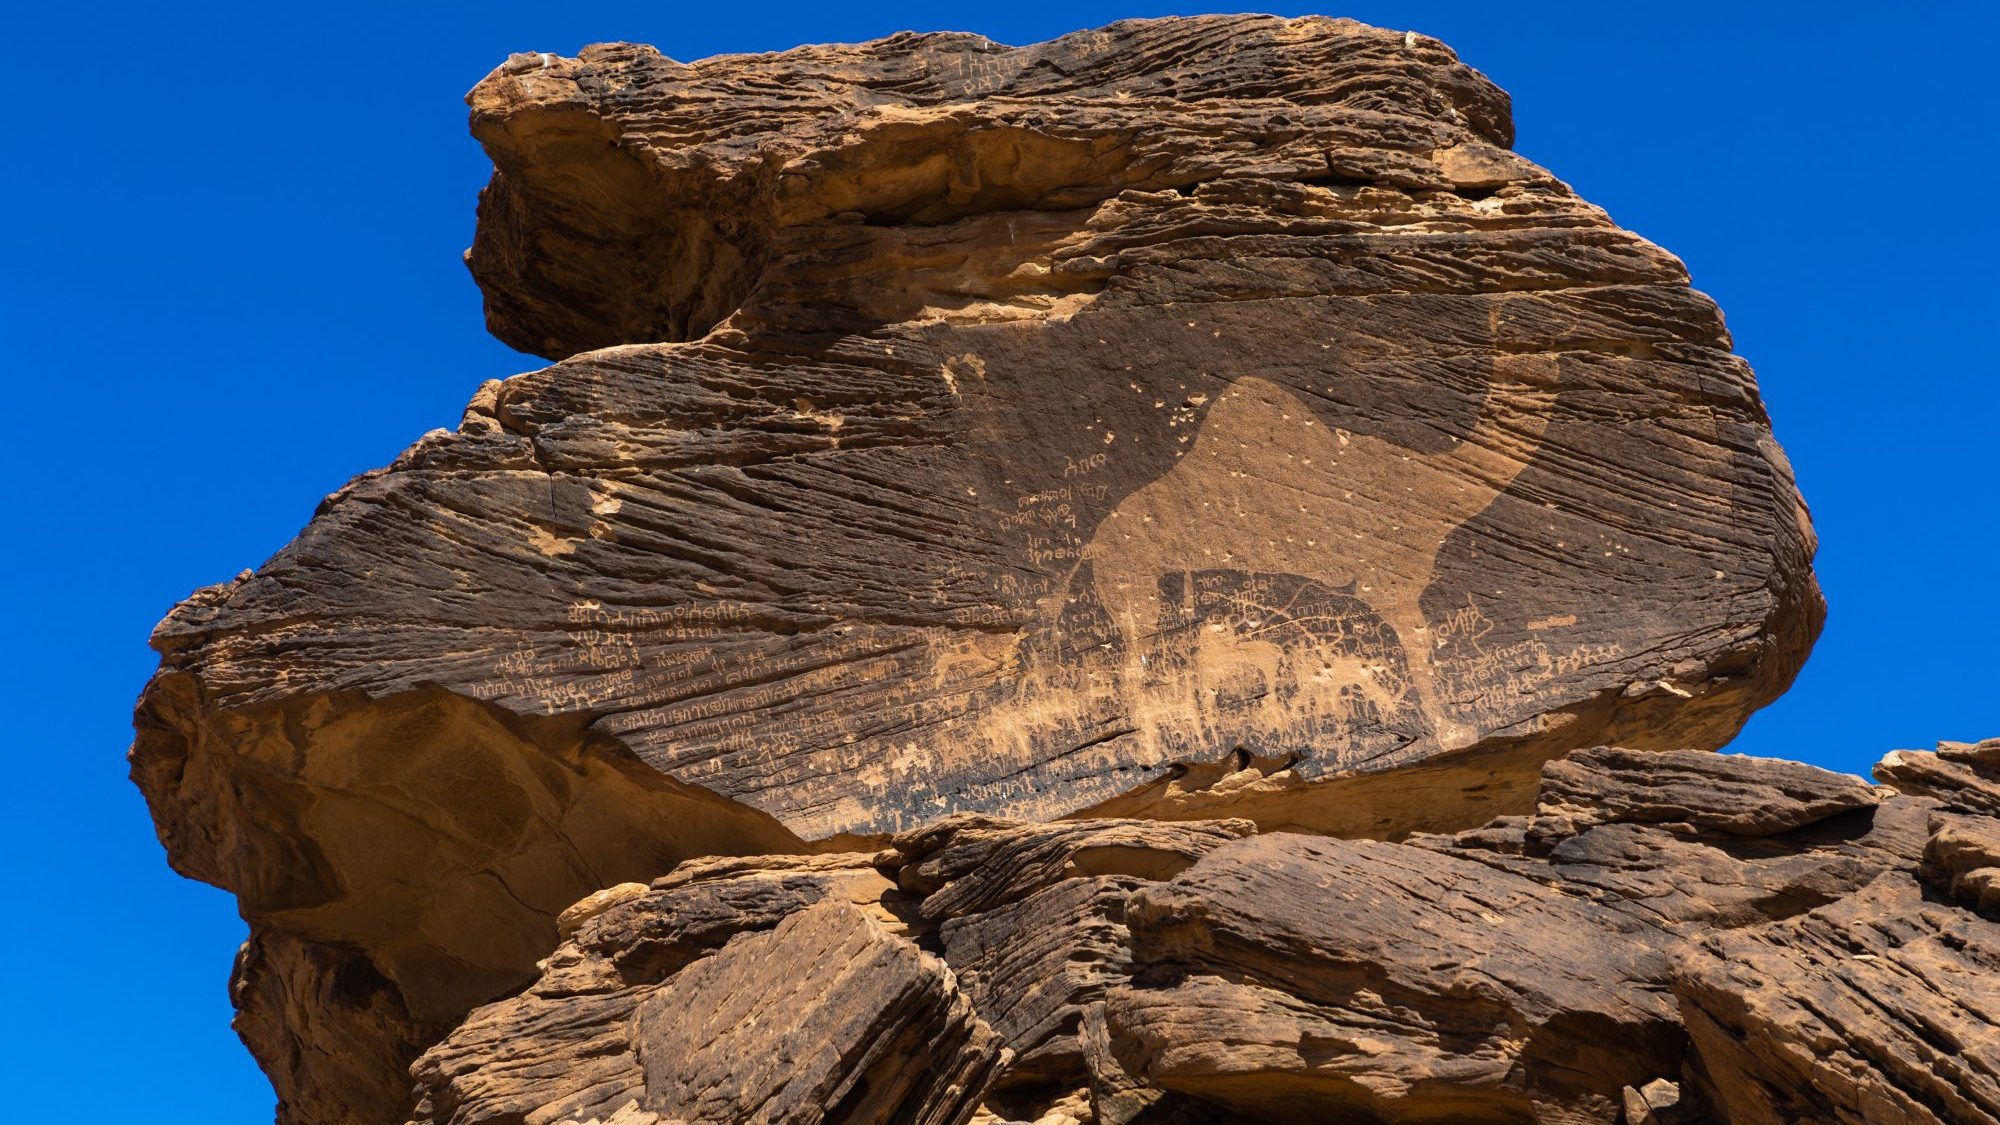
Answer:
x=1196 y=419
x=1771 y=946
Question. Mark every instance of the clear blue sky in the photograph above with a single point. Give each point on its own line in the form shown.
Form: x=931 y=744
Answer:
x=233 y=281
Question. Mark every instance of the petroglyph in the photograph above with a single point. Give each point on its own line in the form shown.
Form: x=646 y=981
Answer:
x=1290 y=494
x=897 y=461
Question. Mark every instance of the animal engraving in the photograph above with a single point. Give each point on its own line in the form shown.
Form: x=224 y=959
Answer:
x=1268 y=487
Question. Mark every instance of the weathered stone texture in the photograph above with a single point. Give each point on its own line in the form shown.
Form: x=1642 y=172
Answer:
x=1564 y=968
x=1206 y=421
x=1882 y=1007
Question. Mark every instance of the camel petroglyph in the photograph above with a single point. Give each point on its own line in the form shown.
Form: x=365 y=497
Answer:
x=1268 y=486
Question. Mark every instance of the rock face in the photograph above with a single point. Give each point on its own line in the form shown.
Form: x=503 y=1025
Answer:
x=1202 y=420
x=1008 y=430
x=1612 y=957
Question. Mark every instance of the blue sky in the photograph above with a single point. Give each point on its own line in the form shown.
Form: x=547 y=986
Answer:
x=233 y=282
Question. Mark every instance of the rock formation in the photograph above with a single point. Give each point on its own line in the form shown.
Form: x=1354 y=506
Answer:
x=1114 y=470
x=1764 y=946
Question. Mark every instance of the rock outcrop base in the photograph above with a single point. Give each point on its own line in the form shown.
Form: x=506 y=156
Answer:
x=1767 y=947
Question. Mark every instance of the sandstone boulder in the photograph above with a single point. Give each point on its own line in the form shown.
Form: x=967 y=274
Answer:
x=1202 y=418
x=828 y=1016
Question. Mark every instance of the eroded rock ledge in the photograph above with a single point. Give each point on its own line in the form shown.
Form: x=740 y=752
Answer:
x=1187 y=420
x=1769 y=944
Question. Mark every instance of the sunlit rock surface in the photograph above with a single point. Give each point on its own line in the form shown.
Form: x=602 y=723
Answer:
x=1200 y=419
x=1607 y=958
